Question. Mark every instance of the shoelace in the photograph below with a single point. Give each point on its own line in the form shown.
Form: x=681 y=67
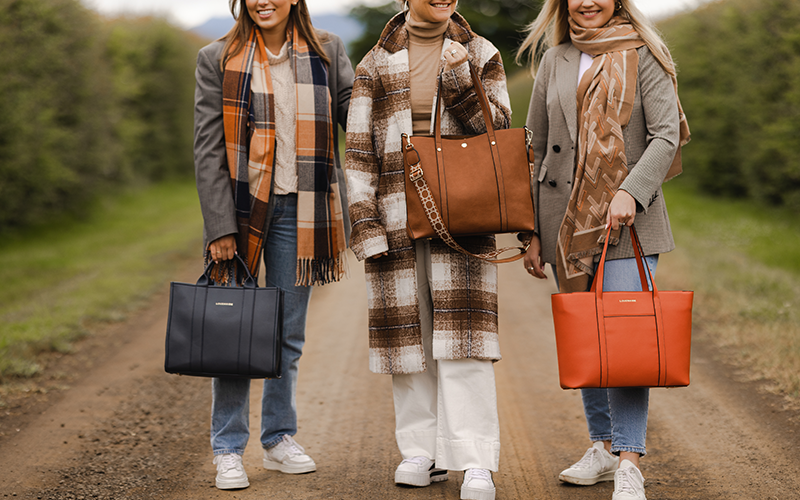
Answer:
x=588 y=459
x=624 y=483
x=228 y=462
x=481 y=474
x=292 y=448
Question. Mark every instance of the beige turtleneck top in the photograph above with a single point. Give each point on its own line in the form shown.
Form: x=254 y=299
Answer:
x=425 y=42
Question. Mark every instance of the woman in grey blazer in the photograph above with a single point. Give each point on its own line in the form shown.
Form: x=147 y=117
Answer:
x=600 y=165
x=269 y=99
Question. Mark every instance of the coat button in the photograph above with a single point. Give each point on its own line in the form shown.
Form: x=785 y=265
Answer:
x=553 y=183
x=557 y=148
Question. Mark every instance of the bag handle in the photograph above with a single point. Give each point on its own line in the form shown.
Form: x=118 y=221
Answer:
x=417 y=178
x=477 y=86
x=644 y=274
x=639 y=253
x=491 y=137
x=248 y=282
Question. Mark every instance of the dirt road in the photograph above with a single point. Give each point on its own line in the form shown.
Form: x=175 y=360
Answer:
x=115 y=426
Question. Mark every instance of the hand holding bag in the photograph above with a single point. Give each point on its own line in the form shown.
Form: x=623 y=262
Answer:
x=623 y=339
x=469 y=185
x=224 y=331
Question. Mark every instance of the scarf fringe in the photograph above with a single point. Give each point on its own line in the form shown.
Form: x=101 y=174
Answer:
x=321 y=271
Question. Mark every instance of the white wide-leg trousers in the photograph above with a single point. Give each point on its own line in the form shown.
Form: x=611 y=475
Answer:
x=448 y=413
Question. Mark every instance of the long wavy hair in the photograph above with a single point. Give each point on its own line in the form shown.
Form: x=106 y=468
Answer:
x=299 y=17
x=551 y=28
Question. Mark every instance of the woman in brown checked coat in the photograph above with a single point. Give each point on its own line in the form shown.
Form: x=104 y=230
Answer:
x=432 y=310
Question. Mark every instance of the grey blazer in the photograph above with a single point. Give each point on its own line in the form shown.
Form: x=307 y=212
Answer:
x=210 y=162
x=651 y=142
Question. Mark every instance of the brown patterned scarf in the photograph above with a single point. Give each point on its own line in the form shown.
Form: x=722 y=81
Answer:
x=605 y=102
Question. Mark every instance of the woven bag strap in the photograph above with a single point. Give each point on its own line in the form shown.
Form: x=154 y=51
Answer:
x=417 y=177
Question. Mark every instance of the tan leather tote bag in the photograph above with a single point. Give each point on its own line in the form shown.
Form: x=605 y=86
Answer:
x=469 y=185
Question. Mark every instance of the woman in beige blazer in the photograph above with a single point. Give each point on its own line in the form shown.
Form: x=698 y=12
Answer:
x=598 y=166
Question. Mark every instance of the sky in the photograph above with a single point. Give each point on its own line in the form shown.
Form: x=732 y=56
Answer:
x=191 y=13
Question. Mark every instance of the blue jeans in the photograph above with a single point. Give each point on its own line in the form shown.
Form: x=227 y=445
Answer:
x=230 y=408
x=619 y=415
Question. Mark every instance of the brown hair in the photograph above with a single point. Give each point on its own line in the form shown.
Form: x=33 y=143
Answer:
x=551 y=28
x=299 y=17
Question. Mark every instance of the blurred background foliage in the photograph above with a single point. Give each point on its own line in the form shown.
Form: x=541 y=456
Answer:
x=739 y=82
x=87 y=104
x=500 y=21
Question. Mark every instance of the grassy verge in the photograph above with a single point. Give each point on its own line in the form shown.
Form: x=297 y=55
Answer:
x=743 y=262
x=59 y=279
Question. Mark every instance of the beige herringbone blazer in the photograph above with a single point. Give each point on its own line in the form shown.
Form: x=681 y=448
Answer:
x=651 y=141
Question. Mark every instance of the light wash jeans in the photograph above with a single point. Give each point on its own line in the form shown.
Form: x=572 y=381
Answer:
x=230 y=408
x=619 y=415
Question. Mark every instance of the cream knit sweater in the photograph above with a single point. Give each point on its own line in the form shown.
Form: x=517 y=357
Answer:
x=283 y=87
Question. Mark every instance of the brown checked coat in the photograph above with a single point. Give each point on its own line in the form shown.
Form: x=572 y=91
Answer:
x=464 y=289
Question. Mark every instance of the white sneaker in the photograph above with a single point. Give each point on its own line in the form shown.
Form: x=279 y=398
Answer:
x=596 y=465
x=628 y=482
x=418 y=471
x=478 y=485
x=288 y=457
x=230 y=472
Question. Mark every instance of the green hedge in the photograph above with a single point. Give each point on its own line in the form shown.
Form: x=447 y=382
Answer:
x=87 y=103
x=739 y=77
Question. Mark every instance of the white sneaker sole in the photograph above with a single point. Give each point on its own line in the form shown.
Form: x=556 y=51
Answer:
x=232 y=484
x=587 y=481
x=477 y=494
x=420 y=479
x=290 y=468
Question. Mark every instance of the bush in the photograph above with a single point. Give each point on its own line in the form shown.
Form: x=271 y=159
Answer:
x=153 y=79
x=53 y=141
x=87 y=105
x=739 y=75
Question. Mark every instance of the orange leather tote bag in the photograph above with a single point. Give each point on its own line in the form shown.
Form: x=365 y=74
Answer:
x=469 y=185
x=623 y=339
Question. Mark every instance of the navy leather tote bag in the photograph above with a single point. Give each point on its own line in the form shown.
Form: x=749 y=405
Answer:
x=224 y=331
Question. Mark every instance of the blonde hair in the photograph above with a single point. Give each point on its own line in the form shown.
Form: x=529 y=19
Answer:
x=299 y=17
x=551 y=28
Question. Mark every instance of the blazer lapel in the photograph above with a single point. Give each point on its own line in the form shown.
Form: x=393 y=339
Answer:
x=567 y=68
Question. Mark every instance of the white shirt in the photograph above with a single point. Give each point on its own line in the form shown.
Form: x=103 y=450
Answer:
x=586 y=61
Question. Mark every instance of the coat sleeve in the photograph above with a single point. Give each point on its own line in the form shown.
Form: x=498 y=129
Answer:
x=538 y=122
x=362 y=167
x=459 y=94
x=345 y=83
x=662 y=119
x=210 y=162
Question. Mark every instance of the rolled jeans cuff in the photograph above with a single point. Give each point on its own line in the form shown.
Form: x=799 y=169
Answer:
x=615 y=450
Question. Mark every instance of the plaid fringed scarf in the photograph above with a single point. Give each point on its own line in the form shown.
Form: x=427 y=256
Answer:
x=249 y=126
x=605 y=102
